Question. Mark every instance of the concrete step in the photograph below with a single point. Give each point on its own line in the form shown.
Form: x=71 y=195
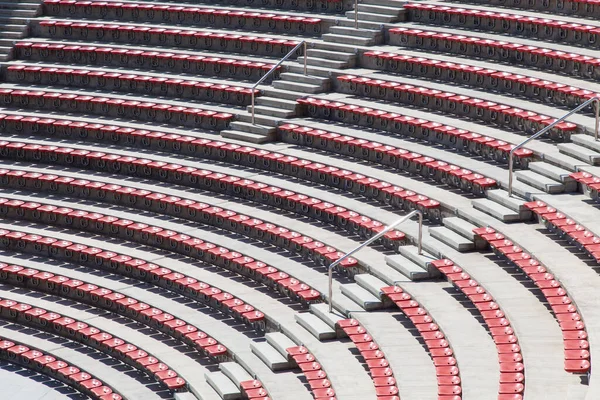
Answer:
x=263 y=120
x=12 y=35
x=423 y=260
x=321 y=310
x=298 y=86
x=370 y=25
x=281 y=94
x=358 y=41
x=373 y=17
x=586 y=141
x=280 y=342
x=579 y=152
x=255 y=129
x=185 y=396
x=235 y=372
x=452 y=239
x=389 y=3
x=325 y=63
x=541 y=182
x=361 y=296
x=555 y=173
x=6 y=27
x=371 y=283
x=311 y=79
x=312 y=70
x=271 y=111
x=223 y=385
x=460 y=226
x=23 y=13
x=512 y=203
x=496 y=210
x=249 y=137
x=351 y=31
x=7 y=43
x=316 y=326
x=332 y=55
x=379 y=9
x=407 y=268
x=270 y=356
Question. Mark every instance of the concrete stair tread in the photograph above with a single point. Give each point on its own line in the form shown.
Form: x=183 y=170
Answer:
x=556 y=173
x=316 y=326
x=323 y=62
x=496 y=210
x=361 y=296
x=460 y=226
x=223 y=385
x=351 y=31
x=298 y=86
x=541 y=182
x=280 y=342
x=360 y=41
x=300 y=77
x=379 y=9
x=374 y=17
x=408 y=268
x=321 y=310
x=579 y=152
x=246 y=136
x=235 y=372
x=451 y=238
x=587 y=141
x=270 y=356
x=334 y=55
x=412 y=253
x=371 y=283
x=272 y=111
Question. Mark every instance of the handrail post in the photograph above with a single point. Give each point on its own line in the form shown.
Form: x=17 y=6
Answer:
x=371 y=240
x=274 y=67
x=355 y=14
x=595 y=100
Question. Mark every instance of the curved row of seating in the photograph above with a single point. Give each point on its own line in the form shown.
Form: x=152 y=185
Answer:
x=31 y=358
x=130 y=83
x=498 y=50
x=566 y=228
x=122 y=57
x=212 y=181
x=492 y=79
x=168 y=240
x=512 y=371
x=514 y=24
x=505 y=116
x=585 y=8
x=446 y=367
x=390 y=156
x=142 y=34
x=197 y=16
x=322 y=6
x=381 y=374
x=116 y=107
x=576 y=355
x=589 y=183
x=93 y=337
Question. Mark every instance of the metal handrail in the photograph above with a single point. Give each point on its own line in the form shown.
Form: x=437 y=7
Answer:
x=546 y=129
x=261 y=80
x=371 y=240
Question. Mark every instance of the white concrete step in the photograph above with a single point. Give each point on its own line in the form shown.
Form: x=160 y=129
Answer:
x=280 y=342
x=496 y=210
x=373 y=17
x=270 y=356
x=281 y=94
x=277 y=102
x=235 y=372
x=351 y=31
x=579 y=152
x=513 y=203
x=325 y=63
x=541 y=182
x=451 y=238
x=407 y=268
x=298 y=86
x=312 y=69
x=264 y=120
x=321 y=310
x=308 y=78
x=460 y=226
x=254 y=128
x=423 y=260
x=586 y=141
x=185 y=396
x=371 y=283
x=555 y=173
x=316 y=326
x=249 y=137
x=358 y=41
x=367 y=25
x=361 y=296
x=332 y=55
x=271 y=111
x=379 y=9
x=223 y=385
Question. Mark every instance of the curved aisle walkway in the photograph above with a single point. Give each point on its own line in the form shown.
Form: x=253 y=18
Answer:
x=21 y=383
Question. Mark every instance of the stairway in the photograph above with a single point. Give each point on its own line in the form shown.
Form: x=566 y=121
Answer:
x=337 y=50
x=14 y=18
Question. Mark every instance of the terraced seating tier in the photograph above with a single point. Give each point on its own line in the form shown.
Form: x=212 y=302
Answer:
x=573 y=328
x=517 y=119
x=492 y=79
x=91 y=336
x=29 y=357
x=156 y=60
x=131 y=83
x=585 y=8
x=590 y=184
x=196 y=16
x=498 y=50
x=145 y=35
